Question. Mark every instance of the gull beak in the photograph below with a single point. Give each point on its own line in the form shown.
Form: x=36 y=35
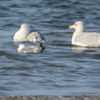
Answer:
x=17 y=49
x=70 y=27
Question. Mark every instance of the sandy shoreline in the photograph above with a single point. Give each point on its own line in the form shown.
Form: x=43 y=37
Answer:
x=95 y=97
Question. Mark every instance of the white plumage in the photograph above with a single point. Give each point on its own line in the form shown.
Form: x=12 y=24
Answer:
x=24 y=34
x=81 y=38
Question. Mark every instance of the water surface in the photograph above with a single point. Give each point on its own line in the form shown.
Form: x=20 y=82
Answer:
x=61 y=69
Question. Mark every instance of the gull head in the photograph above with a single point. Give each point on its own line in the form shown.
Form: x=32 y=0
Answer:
x=78 y=26
x=21 y=46
x=25 y=26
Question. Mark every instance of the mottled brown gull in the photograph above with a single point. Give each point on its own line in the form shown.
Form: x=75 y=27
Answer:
x=24 y=34
x=81 y=38
x=30 y=49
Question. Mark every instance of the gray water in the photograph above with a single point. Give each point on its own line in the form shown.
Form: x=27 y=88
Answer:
x=61 y=69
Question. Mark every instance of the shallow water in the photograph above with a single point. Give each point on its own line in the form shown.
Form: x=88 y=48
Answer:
x=61 y=69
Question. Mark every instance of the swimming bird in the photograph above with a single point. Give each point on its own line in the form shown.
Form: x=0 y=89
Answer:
x=24 y=34
x=30 y=49
x=81 y=38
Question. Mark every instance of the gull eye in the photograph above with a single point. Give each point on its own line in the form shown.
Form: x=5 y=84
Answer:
x=75 y=24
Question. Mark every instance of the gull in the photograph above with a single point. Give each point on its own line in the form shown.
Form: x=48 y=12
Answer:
x=81 y=38
x=24 y=34
x=30 y=49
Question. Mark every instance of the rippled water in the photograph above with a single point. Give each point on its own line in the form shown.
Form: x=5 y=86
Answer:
x=61 y=69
